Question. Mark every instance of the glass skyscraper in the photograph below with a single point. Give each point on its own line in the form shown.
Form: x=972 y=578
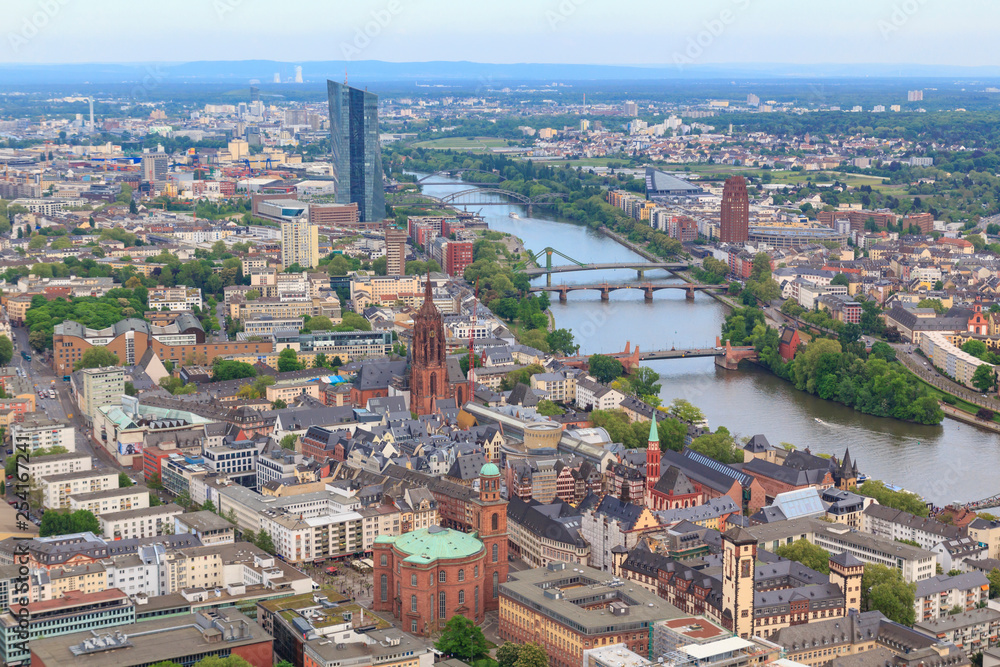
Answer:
x=355 y=150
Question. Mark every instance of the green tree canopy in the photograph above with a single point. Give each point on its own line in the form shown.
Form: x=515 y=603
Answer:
x=124 y=481
x=462 y=639
x=812 y=556
x=719 y=446
x=62 y=522
x=604 y=368
x=96 y=357
x=900 y=500
x=883 y=589
x=288 y=360
x=223 y=370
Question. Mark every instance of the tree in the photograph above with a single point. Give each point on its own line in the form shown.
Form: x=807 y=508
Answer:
x=984 y=378
x=209 y=506
x=508 y=653
x=252 y=295
x=463 y=640
x=686 y=412
x=278 y=404
x=6 y=350
x=124 y=481
x=643 y=381
x=37 y=242
x=319 y=323
x=352 y=322
x=223 y=370
x=883 y=351
x=719 y=446
x=288 y=360
x=900 y=500
x=840 y=279
x=288 y=442
x=96 y=357
x=761 y=269
x=61 y=522
x=850 y=333
x=547 y=408
x=561 y=340
x=883 y=589
x=812 y=556
x=155 y=482
x=264 y=541
x=532 y=655
x=604 y=368
x=994 y=577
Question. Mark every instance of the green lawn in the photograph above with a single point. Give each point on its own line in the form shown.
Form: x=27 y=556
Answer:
x=475 y=143
x=964 y=406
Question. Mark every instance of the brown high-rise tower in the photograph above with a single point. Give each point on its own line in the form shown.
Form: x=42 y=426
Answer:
x=428 y=357
x=735 y=227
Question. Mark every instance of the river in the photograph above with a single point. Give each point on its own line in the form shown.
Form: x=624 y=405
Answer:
x=942 y=463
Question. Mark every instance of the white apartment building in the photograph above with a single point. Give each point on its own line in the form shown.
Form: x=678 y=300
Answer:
x=111 y=500
x=315 y=538
x=592 y=395
x=175 y=298
x=57 y=489
x=560 y=387
x=100 y=386
x=148 y=522
x=38 y=431
x=382 y=520
x=937 y=596
x=55 y=464
x=893 y=524
x=133 y=575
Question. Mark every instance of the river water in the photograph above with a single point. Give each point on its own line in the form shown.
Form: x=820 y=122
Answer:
x=943 y=463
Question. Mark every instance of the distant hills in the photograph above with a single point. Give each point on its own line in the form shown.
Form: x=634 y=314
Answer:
x=444 y=72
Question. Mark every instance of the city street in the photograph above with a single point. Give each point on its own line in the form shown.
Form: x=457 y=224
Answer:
x=907 y=354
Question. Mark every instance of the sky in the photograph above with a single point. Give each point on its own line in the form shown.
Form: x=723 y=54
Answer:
x=613 y=32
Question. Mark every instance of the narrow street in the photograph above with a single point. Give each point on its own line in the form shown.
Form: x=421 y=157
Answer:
x=920 y=366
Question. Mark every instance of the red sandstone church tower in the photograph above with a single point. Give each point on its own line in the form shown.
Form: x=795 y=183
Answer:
x=735 y=222
x=428 y=357
x=491 y=526
x=653 y=456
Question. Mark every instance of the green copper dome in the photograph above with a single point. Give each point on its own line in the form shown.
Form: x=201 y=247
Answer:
x=490 y=470
x=430 y=544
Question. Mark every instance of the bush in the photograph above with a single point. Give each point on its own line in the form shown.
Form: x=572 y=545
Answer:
x=985 y=414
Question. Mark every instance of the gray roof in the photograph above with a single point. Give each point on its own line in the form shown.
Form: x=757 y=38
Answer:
x=942 y=583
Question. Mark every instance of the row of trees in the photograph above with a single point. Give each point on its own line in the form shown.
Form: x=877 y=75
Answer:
x=462 y=639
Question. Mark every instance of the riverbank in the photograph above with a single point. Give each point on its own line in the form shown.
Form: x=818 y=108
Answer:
x=966 y=418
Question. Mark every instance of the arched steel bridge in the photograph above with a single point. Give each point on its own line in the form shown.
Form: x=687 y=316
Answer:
x=478 y=197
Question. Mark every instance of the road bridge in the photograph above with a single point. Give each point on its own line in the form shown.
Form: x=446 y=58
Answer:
x=640 y=266
x=726 y=356
x=606 y=288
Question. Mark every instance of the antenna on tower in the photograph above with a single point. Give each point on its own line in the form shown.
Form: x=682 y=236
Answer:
x=345 y=76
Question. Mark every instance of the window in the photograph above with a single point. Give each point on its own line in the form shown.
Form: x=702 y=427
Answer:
x=383 y=560
x=413 y=603
x=475 y=599
x=442 y=605
x=496 y=554
x=384 y=587
x=496 y=585
x=496 y=521
x=413 y=580
x=461 y=597
x=461 y=575
x=442 y=577
x=475 y=572
x=413 y=626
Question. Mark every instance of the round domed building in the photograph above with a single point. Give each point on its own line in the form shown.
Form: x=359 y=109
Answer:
x=424 y=577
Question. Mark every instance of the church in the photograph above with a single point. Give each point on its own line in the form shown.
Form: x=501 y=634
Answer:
x=434 y=376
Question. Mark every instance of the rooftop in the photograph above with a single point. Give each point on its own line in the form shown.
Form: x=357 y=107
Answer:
x=430 y=544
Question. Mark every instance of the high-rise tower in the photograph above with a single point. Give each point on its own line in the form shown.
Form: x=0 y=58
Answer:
x=735 y=223
x=355 y=151
x=491 y=524
x=739 y=559
x=652 y=459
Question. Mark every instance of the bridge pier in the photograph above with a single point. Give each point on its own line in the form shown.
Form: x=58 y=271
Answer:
x=562 y=295
x=689 y=294
x=640 y=273
x=724 y=361
x=648 y=294
x=605 y=294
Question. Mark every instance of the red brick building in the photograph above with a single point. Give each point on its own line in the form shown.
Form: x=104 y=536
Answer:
x=735 y=222
x=789 y=343
x=429 y=368
x=457 y=256
x=424 y=577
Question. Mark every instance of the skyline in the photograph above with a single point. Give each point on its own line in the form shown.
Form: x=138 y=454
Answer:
x=520 y=31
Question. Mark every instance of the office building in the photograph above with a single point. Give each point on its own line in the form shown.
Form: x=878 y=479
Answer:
x=735 y=222
x=154 y=168
x=299 y=243
x=184 y=640
x=73 y=612
x=395 y=251
x=578 y=608
x=100 y=386
x=355 y=151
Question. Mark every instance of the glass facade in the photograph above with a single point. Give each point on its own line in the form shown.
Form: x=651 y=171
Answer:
x=355 y=151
